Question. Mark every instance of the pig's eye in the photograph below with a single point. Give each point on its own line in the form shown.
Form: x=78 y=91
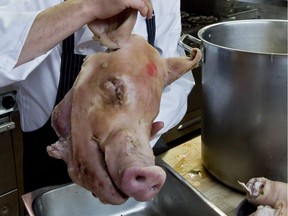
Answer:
x=115 y=90
x=119 y=92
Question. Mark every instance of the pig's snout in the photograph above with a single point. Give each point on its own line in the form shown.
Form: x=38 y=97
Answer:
x=142 y=183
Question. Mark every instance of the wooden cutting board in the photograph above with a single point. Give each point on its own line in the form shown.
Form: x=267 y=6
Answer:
x=186 y=160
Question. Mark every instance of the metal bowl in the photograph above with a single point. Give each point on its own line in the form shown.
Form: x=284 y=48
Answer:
x=177 y=197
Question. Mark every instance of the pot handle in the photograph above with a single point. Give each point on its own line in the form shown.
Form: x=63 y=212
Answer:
x=189 y=37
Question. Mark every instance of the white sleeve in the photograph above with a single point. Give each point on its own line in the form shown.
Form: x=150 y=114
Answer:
x=14 y=27
x=174 y=98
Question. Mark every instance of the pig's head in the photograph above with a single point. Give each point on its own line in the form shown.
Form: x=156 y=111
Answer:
x=106 y=120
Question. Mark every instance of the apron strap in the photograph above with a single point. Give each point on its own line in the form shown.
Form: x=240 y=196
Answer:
x=70 y=67
x=151 y=29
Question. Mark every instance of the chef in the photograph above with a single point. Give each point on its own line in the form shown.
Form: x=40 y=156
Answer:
x=43 y=68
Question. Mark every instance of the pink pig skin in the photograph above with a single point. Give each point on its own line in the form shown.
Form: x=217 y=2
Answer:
x=105 y=122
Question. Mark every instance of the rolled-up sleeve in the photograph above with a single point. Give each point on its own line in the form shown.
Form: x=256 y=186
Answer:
x=14 y=28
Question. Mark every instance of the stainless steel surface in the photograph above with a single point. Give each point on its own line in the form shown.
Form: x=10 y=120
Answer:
x=244 y=109
x=281 y=3
x=189 y=123
x=7 y=126
x=183 y=42
x=177 y=197
x=243 y=12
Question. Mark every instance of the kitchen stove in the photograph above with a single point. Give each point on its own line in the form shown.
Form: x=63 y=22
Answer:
x=192 y=22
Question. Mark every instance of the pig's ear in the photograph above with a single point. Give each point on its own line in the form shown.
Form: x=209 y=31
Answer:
x=112 y=32
x=156 y=126
x=281 y=205
x=180 y=65
x=61 y=116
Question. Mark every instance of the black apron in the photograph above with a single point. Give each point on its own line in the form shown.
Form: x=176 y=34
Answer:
x=41 y=170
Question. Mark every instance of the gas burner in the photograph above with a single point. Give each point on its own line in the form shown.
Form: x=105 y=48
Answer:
x=201 y=20
x=190 y=21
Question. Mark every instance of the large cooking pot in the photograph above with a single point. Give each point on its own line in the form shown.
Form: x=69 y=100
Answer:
x=244 y=110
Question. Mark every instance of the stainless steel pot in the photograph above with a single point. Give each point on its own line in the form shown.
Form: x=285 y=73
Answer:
x=244 y=110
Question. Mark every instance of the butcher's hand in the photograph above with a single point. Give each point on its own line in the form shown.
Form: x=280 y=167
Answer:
x=103 y=9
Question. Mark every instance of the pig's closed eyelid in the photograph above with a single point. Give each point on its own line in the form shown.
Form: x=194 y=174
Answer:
x=95 y=139
x=119 y=91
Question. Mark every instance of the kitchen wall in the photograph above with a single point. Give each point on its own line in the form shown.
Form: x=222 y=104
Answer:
x=275 y=9
x=281 y=3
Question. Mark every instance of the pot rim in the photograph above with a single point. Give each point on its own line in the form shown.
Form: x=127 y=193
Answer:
x=260 y=21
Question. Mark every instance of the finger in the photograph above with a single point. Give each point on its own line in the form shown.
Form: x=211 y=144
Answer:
x=143 y=6
x=150 y=9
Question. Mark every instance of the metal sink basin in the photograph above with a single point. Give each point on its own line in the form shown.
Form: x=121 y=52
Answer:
x=177 y=197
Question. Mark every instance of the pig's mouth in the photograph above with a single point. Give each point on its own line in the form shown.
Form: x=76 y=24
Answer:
x=142 y=182
x=132 y=169
x=121 y=194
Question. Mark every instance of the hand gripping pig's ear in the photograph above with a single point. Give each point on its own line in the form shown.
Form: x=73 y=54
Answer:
x=112 y=32
x=178 y=66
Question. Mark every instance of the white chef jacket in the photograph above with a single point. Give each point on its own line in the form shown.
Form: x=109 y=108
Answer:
x=37 y=80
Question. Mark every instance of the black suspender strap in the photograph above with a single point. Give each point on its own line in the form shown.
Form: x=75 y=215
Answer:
x=70 y=67
x=151 y=29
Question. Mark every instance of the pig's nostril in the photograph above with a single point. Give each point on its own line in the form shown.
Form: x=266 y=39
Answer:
x=155 y=187
x=142 y=183
x=140 y=178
